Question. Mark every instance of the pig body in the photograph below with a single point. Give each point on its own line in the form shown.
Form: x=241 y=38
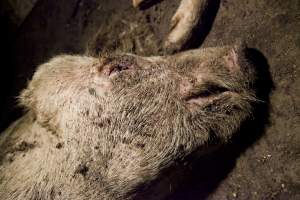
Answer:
x=112 y=127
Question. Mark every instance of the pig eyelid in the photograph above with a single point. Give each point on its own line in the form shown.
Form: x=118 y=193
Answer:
x=207 y=89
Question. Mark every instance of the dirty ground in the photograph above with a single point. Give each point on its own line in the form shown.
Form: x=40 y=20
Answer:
x=263 y=161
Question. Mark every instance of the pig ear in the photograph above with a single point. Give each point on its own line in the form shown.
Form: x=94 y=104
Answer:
x=235 y=55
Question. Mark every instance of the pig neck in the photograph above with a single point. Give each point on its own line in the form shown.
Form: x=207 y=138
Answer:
x=84 y=156
x=75 y=163
x=54 y=168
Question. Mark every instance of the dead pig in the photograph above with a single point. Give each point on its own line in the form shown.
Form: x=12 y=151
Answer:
x=102 y=128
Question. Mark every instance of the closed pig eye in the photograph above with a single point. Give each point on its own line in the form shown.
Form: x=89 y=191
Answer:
x=205 y=93
x=206 y=90
x=209 y=89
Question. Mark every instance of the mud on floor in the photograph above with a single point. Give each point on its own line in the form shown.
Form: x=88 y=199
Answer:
x=263 y=161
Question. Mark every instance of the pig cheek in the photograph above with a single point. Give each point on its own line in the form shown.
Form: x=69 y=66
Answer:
x=102 y=85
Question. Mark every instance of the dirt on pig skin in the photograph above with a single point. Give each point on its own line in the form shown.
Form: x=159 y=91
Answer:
x=264 y=163
x=145 y=115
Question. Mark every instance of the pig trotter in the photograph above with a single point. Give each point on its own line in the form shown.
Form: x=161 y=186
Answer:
x=140 y=3
x=183 y=23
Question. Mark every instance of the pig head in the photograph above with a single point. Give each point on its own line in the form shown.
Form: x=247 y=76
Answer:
x=102 y=128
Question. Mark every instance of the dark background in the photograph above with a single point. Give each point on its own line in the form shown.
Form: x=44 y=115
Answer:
x=262 y=161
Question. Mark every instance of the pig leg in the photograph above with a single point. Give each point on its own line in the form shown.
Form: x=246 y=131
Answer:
x=184 y=22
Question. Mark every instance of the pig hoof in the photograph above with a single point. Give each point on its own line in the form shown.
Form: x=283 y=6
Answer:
x=139 y=3
x=183 y=23
x=143 y=4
